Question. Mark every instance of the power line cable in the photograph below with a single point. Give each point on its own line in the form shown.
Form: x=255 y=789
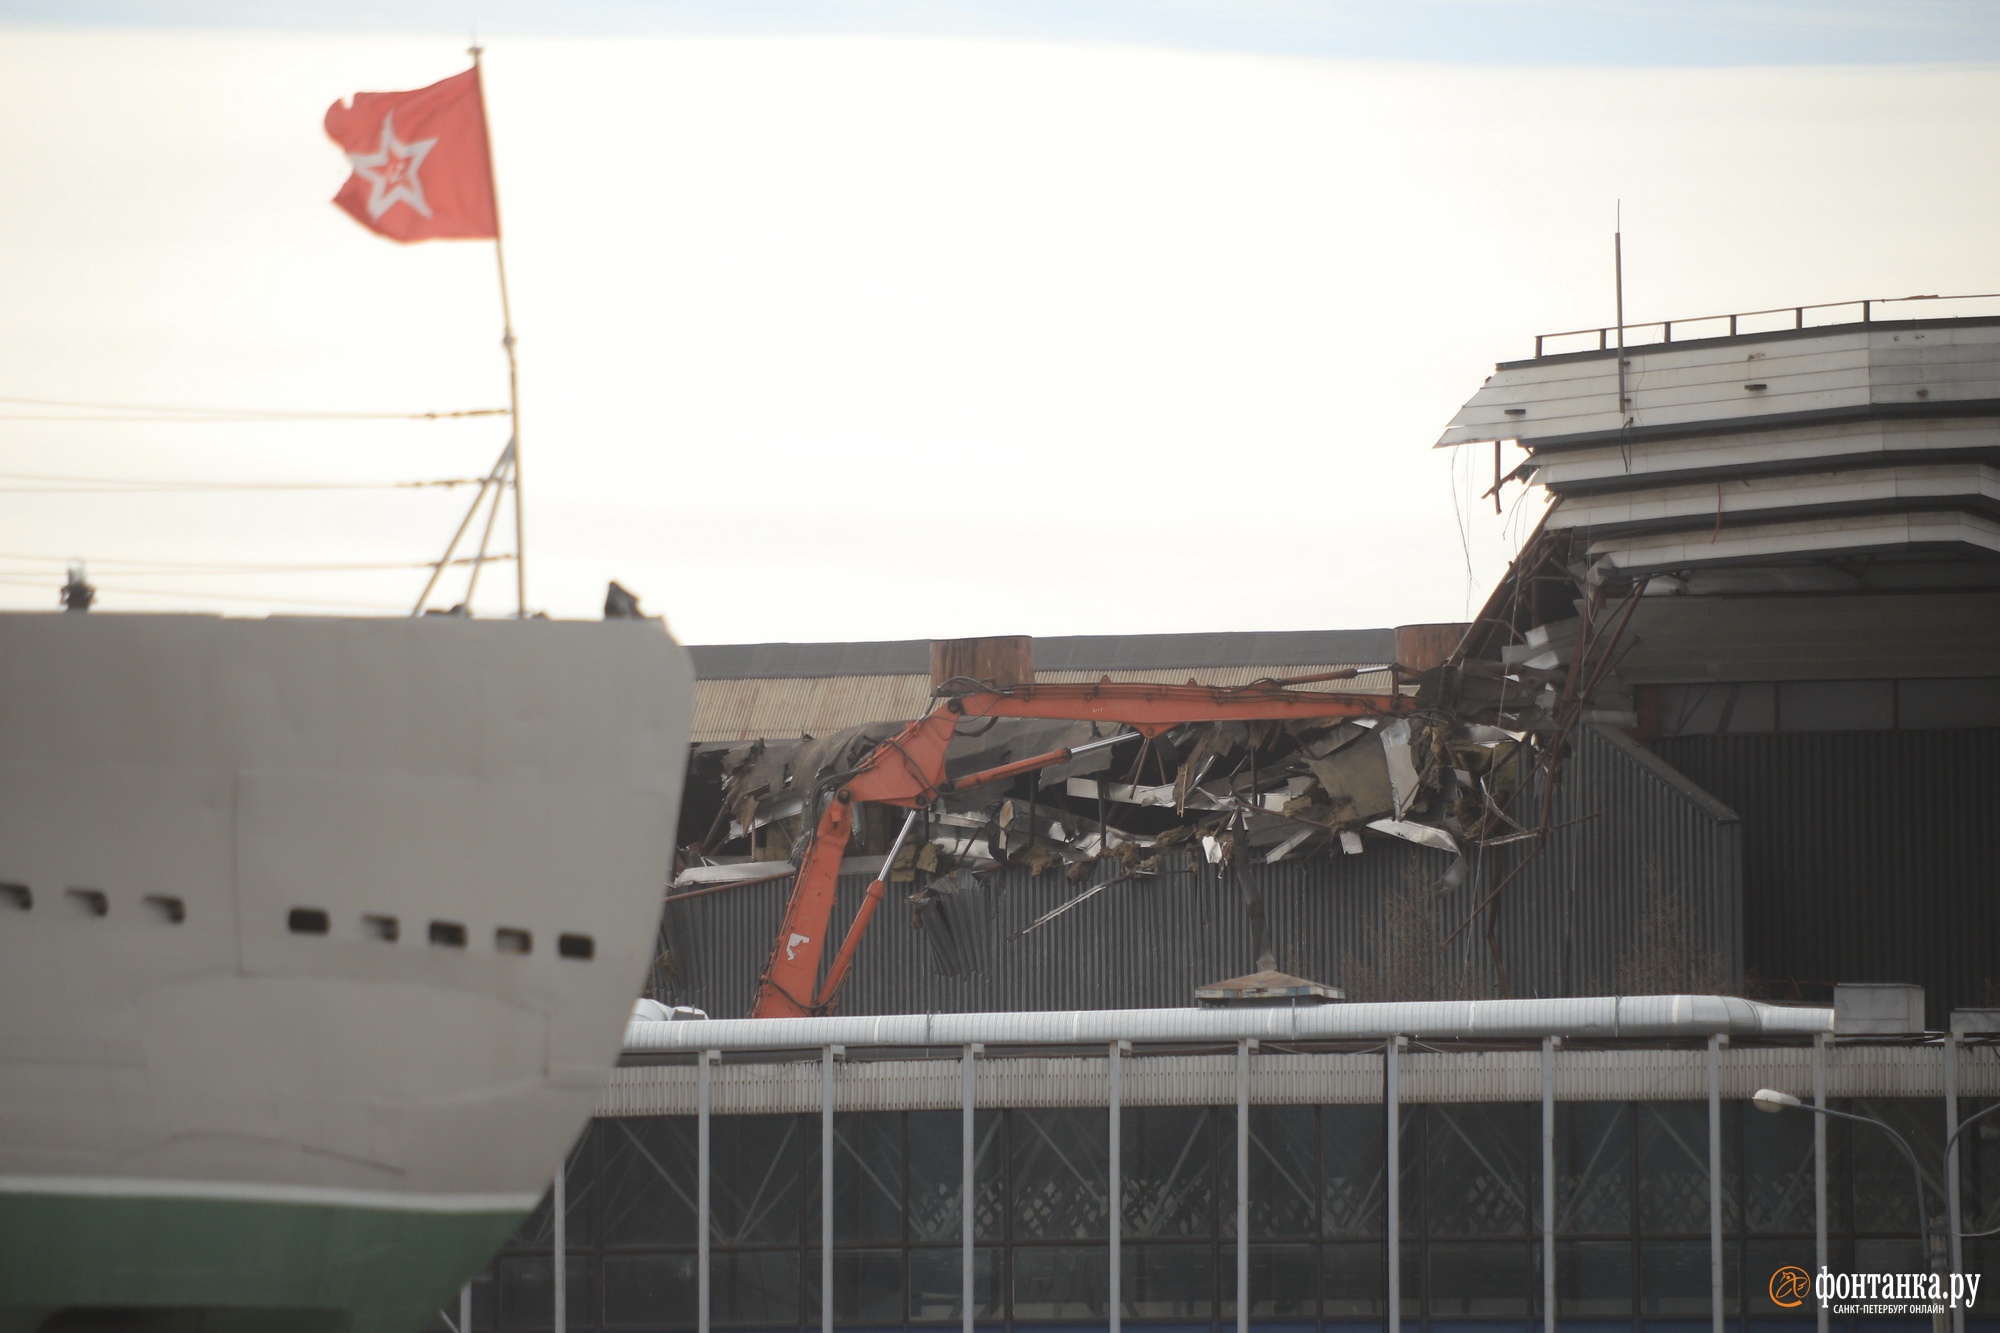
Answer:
x=185 y=413
x=219 y=596
x=63 y=485
x=148 y=568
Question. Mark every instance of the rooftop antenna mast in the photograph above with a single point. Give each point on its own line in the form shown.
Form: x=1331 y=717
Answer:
x=1618 y=280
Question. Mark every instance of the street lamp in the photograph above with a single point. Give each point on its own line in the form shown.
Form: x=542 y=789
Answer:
x=1935 y=1247
x=1773 y=1101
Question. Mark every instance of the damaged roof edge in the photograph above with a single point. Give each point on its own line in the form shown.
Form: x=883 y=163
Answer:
x=1605 y=1017
x=1074 y=652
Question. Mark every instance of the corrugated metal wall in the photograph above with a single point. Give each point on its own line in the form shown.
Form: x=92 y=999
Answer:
x=1639 y=855
x=1867 y=856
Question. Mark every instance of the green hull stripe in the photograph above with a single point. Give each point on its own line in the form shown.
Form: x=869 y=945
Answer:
x=313 y=1268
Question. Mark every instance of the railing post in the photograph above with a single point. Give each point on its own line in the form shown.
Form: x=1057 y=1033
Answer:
x=1666 y=330
x=1243 y=1049
x=1799 y=317
x=1538 y=347
x=559 y=1214
x=1116 y=1154
x=1864 y=312
x=1954 y=1253
x=1392 y=1105
x=1732 y=326
x=703 y=1295
x=827 y=1056
x=1715 y=1292
x=968 y=1157
x=1549 y=1183
x=1819 y=1166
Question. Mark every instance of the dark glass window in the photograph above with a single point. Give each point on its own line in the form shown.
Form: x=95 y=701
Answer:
x=648 y=1290
x=1169 y=1281
x=1777 y=1188
x=935 y=1279
x=759 y=1168
x=1594 y=1278
x=1594 y=1168
x=1352 y=1280
x=1284 y=1281
x=1673 y=1170
x=1631 y=1195
x=868 y=1178
x=867 y=1287
x=526 y=1289
x=1060 y=1282
x=756 y=1288
x=1058 y=1160
x=1353 y=1175
x=1169 y=1172
x=1284 y=1171
x=1673 y=1277
x=647 y=1185
x=1485 y=1278
x=1482 y=1169
x=935 y=1169
x=1885 y=1189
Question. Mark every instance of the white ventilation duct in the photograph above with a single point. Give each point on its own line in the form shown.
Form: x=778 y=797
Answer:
x=1602 y=1018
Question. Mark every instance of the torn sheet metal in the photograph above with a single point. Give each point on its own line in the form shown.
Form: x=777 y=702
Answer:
x=1404 y=782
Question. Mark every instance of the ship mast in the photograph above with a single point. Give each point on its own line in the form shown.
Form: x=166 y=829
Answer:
x=506 y=470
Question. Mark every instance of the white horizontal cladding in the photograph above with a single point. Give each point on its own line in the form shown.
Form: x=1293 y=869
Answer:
x=1622 y=1076
x=1884 y=1071
x=1303 y=1079
x=1471 y=1076
x=1647 y=552
x=1606 y=1017
x=1969 y=482
x=1802 y=447
x=1677 y=384
x=1317 y=1079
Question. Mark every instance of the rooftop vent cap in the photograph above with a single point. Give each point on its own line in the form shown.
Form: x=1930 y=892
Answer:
x=1976 y=1022
x=1877 y=1009
x=1278 y=990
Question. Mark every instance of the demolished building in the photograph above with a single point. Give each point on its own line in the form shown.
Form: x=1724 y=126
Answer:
x=1731 y=723
x=1358 y=854
x=1728 y=723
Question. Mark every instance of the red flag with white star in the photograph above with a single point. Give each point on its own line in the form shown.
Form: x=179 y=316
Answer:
x=422 y=170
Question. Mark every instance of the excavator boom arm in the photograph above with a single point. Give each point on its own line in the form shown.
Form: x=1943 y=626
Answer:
x=908 y=770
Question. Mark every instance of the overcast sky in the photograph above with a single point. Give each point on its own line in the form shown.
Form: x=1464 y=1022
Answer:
x=918 y=320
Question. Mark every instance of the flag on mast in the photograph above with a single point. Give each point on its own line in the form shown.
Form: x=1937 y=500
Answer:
x=422 y=169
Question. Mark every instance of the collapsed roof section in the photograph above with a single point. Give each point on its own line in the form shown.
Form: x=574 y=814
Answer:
x=776 y=722
x=785 y=691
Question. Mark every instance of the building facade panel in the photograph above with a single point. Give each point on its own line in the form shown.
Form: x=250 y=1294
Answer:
x=1829 y=819
x=1631 y=1188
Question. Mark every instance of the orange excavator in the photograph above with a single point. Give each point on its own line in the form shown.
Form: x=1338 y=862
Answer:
x=908 y=770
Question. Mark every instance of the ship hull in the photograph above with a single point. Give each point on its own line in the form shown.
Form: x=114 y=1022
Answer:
x=221 y=1264
x=317 y=942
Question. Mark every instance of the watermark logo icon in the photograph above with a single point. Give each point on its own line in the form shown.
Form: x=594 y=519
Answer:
x=1790 y=1286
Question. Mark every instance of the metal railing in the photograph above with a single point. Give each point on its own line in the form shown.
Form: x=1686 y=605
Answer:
x=1748 y=321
